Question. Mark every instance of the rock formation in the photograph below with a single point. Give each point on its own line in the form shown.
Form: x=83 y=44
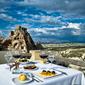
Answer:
x=39 y=46
x=1 y=39
x=20 y=39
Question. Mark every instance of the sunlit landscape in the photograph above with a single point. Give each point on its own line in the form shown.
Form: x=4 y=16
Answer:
x=42 y=42
x=67 y=49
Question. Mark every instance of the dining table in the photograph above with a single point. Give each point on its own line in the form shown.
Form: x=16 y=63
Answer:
x=65 y=76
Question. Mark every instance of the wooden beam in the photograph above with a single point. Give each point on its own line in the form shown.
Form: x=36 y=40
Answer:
x=71 y=61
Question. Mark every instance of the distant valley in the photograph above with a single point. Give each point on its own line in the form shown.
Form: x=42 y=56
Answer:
x=60 y=42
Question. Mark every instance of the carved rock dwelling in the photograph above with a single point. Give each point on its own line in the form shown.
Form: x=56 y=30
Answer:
x=20 y=39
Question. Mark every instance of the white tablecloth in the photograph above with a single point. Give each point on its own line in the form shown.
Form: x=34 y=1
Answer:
x=74 y=77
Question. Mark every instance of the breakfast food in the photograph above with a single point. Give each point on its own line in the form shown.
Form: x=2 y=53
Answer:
x=47 y=73
x=42 y=61
x=22 y=77
x=22 y=60
x=29 y=67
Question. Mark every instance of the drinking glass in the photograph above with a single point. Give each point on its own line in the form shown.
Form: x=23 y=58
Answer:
x=8 y=57
x=43 y=55
x=16 y=54
x=51 y=57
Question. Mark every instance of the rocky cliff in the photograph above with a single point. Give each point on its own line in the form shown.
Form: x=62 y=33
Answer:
x=20 y=39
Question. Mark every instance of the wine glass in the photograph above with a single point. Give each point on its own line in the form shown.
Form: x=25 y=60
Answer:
x=8 y=57
x=43 y=55
x=16 y=54
x=51 y=57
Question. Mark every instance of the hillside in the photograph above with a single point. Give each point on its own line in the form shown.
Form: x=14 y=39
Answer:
x=67 y=49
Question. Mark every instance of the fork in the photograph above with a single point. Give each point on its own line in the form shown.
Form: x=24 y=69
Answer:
x=31 y=77
x=35 y=77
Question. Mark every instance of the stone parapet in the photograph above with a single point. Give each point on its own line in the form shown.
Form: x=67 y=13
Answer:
x=35 y=55
x=3 y=60
x=28 y=55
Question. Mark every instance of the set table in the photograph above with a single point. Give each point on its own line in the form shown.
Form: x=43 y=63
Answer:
x=73 y=77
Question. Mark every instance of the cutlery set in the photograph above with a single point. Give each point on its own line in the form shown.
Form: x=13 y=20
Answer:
x=34 y=77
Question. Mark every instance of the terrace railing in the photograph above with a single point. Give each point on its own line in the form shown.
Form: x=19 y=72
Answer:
x=70 y=61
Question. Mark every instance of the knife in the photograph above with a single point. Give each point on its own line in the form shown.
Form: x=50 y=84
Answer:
x=36 y=77
x=32 y=77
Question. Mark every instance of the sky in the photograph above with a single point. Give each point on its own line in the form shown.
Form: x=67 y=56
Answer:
x=45 y=20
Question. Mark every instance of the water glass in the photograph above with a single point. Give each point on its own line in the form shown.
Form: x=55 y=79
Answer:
x=51 y=57
x=8 y=57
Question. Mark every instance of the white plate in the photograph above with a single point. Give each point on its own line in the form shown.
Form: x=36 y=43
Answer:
x=29 y=62
x=57 y=73
x=24 y=63
x=17 y=81
x=31 y=69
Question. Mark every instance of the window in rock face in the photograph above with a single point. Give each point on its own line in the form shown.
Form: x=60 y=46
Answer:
x=15 y=38
x=22 y=47
x=15 y=44
x=12 y=33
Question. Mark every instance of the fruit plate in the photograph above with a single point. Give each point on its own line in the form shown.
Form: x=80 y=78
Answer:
x=17 y=81
x=57 y=73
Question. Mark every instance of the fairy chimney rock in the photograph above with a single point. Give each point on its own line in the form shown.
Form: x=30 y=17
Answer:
x=24 y=29
x=39 y=46
x=20 y=39
x=18 y=28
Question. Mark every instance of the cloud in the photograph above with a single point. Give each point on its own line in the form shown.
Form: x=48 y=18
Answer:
x=75 y=8
x=13 y=27
x=69 y=8
x=69 y=32
x=18 y=12
x=82 y=29
x=72 y=25
x=76 y=32
x=4 y=33
x=22 y=13
x=71 y=29
x=6 y=4
x=45 y=20
x=7 y=18
x=55 y=4
x=40 y=31
x=2 y=10
x=1 y=33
